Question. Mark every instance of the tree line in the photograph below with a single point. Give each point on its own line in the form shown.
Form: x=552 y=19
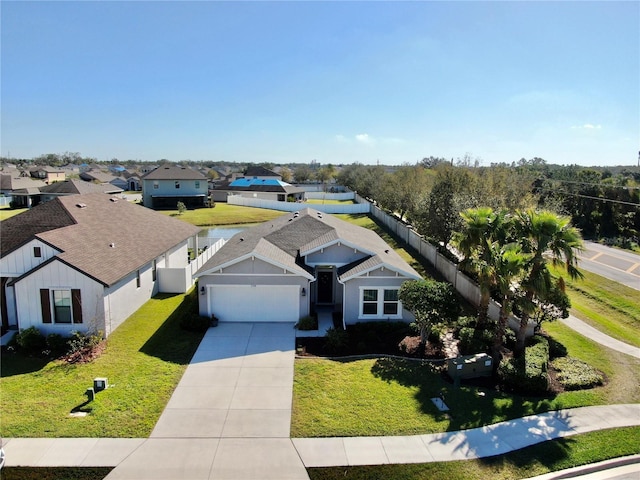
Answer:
x=430 y=195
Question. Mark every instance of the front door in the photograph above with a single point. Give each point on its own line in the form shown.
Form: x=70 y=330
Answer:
x=325 y=287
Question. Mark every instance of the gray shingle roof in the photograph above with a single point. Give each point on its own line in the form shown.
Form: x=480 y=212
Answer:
x=84 y=233
x=75 y=187
x=174 y=172
x=292 y=236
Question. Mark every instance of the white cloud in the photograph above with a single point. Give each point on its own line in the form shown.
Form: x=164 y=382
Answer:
x=586 y=126
x=364 y=138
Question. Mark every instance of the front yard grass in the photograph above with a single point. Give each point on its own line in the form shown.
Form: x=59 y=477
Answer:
x=393 y=397
x=10 y=212
x=143 y=361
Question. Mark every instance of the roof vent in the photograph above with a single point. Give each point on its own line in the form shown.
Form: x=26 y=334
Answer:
x=386 y=251
x=112 y=245
x=81 y=205
x=242 y=239
x=113 y=199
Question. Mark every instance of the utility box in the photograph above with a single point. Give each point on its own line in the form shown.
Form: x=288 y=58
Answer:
x=100 y=384
x=470 y=366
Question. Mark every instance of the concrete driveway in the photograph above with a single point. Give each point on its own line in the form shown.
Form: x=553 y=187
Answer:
x=230 y=415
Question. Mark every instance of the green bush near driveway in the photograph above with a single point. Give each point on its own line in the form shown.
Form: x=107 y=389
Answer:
x=528 y=373
x=143 y=361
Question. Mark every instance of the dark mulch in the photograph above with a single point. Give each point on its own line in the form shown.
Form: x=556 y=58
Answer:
x=375 y=338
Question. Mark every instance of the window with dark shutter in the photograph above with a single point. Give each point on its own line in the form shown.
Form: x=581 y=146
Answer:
x=76 y=305
x=45 y=303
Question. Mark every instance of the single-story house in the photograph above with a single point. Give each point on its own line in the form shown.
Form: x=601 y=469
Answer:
x=167 y=185
x=75 y=187
x=104 y=177
x=23 y=191
x=68 y=264
x=280 y=270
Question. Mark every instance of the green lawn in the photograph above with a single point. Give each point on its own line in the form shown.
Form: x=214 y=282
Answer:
x=392 y=397
x=528 y=462
x=606 y=305
x=225 y=214
x=10 y=212
x=144 y=360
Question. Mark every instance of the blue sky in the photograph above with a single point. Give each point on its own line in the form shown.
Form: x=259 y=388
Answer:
x=339 y=82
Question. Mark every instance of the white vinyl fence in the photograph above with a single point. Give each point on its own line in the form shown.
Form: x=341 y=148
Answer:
x=464 y=285
x=294 y=206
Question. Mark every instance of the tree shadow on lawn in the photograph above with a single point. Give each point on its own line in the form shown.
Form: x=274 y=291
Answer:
x=469 y=406
x=16 y=363
x=171 y=343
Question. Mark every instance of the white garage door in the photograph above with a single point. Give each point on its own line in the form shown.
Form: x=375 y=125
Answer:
x=262 y=303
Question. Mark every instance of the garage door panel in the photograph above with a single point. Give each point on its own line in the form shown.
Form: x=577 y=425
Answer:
x=260 y=303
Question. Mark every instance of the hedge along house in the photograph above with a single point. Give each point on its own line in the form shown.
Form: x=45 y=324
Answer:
x=167 y=185
x=282 y=269
x=87 y=262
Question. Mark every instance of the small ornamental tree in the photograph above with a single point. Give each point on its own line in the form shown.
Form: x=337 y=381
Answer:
x=181 y=208
x=431 y=303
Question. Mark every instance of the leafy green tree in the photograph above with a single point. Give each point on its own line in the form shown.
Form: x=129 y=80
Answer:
x=431 y=302
x=181 y=208
x=286 y=175
x=303 y=174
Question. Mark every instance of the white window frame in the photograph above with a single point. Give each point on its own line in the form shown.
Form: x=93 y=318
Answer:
x=379 y=315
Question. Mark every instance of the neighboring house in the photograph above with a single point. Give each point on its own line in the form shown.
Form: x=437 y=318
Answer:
x=75 y=187
x=282 y=269
x=48 y=174
x=261 y=173
x=134 y=183
x=23 y=191
x=103 y=177
x=69 y=265
x=167 y=185
x=265 y=189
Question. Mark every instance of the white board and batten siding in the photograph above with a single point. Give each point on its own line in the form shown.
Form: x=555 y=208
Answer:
x=53 y=276
x=23 y=259
x=254 y=303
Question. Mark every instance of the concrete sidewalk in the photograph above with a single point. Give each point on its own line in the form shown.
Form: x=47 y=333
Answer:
x=599 y=337
x=195 y=457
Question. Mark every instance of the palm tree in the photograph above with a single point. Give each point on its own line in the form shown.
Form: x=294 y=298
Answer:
x=482 y=227
x=509 y=267
x=548 y=238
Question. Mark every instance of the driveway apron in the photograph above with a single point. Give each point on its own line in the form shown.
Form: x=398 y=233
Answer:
x=230 y=415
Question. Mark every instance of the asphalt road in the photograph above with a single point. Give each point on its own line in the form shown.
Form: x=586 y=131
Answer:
x=618 y=265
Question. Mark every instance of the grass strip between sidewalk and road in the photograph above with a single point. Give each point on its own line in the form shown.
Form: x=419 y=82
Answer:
x=536 y=460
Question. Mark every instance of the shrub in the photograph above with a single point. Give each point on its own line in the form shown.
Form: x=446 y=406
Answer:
x=181 y=207
x=57 y=343
x=80 y=342
x=336 y=340
x=474 y=341
x=468 y=321
x=575 y=374
x=527 y=373
x=307 y=323
x=31 y=340
x=195 y=323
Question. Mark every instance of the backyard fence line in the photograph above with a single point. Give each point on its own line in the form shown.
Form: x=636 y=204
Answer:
x=465 y=286
x=295 y=206
x=330 y=196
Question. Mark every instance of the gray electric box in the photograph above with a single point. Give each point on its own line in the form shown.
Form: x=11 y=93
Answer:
x=470 y=366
